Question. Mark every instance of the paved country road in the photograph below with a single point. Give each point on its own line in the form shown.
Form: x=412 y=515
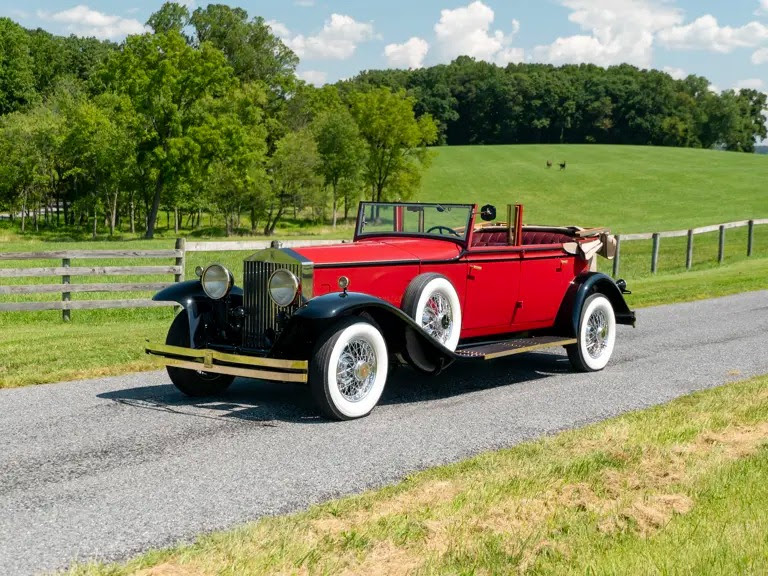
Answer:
x=104 y=469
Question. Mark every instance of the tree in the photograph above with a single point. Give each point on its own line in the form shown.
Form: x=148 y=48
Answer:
x=396 y=142
x=165 y=79
x=341 y=150
x=17 y=79
x=171 y=17
x=293 y=175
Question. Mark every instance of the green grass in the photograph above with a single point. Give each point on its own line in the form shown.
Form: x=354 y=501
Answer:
x=675 y=489
x=630 y=189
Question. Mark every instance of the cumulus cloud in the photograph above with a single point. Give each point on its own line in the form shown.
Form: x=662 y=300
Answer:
x=338 y=39
x=83 y=21
x=676 y=73
x=750 y=84
x=315 y=77
x=410 y=54
x=467 y=31
x=760 y=56
x=279 y=29
x=617 y=31
x=706 y=34
x=762 y=9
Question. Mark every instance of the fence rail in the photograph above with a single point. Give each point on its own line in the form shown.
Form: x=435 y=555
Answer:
x=66 y=272
x=690 y=233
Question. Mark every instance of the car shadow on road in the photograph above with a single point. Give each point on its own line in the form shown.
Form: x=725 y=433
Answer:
x=269 y=403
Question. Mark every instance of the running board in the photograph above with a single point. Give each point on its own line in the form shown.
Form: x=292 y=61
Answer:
x=512 y=346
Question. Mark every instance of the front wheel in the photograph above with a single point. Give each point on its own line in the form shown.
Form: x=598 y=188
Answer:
x=192 y=382
x=596 y=336
x=349 y=369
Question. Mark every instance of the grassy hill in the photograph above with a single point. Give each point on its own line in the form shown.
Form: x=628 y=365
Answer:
x=629 y=188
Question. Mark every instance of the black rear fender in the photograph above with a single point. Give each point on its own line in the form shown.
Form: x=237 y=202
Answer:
x=582 y=287
x=310 y=322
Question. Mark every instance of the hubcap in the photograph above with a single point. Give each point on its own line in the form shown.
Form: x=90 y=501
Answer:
x=597 y=333
x=437 y=318
x=356 y=370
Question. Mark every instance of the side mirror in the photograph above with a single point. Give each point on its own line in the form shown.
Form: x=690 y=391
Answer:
x=488 y=212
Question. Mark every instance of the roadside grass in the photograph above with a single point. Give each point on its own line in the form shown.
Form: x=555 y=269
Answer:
x=675 y=489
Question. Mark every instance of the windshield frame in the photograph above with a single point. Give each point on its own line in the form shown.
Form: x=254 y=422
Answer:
x=366 y=205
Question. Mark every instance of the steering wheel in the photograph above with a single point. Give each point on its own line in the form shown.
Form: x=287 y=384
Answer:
x=444 y=229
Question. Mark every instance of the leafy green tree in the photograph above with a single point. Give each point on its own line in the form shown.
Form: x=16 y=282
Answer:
x=17 y=79
x=293 y=175
x=171 y=17
x=341 y=151
x=165 y=79
x=396 y=142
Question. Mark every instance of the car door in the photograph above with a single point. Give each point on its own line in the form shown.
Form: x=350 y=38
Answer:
x=493 y=283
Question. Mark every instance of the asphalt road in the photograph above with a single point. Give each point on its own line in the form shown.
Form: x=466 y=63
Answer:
x=104 y=469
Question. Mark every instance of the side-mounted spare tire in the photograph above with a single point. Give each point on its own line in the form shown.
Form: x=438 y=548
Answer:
x=192 y=382
x=432 y=302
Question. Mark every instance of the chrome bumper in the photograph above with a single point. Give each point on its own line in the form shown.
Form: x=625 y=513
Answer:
x=205 y=360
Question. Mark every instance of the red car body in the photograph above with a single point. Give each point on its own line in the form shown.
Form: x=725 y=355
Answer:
x=423 y=284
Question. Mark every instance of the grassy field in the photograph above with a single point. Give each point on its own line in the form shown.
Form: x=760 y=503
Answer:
x=603 y=185
x=676 y=489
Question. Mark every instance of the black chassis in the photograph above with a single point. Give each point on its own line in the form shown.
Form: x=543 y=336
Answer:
x=217 y=324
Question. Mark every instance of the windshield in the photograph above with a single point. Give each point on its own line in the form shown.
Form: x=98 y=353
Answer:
x=439 y=220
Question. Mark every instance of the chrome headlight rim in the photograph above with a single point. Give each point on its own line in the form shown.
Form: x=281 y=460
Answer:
x=217 y=288
x=290 y=287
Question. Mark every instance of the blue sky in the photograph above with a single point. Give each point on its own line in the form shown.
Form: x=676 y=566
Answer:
x=724 y=40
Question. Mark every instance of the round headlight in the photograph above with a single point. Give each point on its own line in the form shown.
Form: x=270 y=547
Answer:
x=217 y=281
x=283 y=287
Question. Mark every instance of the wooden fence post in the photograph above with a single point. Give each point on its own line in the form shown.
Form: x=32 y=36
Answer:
x=181 y=244
x=617 y=257
x=689 y=251
x=65 y=296
x=750 y=236
x=721 y=246
x=655 y=255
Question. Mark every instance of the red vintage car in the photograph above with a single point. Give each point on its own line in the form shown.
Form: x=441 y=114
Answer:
x=421 y=284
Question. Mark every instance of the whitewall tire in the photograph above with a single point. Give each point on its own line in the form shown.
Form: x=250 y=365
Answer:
x=596 y=335
x=432 y=301
x=349 y=369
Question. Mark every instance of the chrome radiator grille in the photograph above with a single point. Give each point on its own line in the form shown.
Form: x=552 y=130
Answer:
x=261 y=314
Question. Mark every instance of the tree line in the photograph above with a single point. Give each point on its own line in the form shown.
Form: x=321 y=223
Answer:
x=205 y=114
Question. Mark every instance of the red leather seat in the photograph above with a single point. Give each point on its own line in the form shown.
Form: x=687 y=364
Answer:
x=498 y=237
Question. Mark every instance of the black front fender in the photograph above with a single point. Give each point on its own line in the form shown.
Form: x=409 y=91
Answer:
x=580 y=289
x=310 y=321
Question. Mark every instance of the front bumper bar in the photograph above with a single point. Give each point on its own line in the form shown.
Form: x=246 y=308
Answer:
x=206 y=360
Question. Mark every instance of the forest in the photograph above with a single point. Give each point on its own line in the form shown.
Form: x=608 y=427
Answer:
x=205 y=114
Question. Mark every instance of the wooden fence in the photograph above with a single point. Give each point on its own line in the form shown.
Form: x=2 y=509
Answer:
x=657 y=236
x=67 y=271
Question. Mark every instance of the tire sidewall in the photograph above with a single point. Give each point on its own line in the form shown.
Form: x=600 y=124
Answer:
x=443 y=286
x=591 y=305
x=345 y=408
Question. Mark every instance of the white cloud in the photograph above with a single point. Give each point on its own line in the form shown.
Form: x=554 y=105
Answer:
x=315 y=77
x=279 y=29
x=467 y=31
x=760 y=56
x=762 y=9
x=411 y=54
x=750 y=84
x=618 y=31
x=304 y=3
x=706 y=34
x=676 y=73
x=337 y=40
x=83 y=21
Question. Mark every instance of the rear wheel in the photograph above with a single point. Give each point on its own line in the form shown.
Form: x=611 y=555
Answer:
x=596 y=336
x=349 y=369
x=192 y=382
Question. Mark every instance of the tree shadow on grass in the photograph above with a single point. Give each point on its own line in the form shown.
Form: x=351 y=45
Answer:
x=264 y=403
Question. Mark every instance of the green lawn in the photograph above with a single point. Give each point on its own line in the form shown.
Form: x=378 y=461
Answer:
x=676 y=489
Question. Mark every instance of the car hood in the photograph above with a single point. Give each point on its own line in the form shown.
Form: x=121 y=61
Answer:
x=381 y=250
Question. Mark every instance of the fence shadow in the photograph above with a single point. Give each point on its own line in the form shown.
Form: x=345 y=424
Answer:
x=263 y=403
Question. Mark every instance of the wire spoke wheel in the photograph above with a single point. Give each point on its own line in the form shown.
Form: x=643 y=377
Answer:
x=356 y=370
x=597 y=333
x=437 y=319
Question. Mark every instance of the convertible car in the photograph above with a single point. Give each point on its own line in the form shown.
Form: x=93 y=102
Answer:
x=421 y=284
